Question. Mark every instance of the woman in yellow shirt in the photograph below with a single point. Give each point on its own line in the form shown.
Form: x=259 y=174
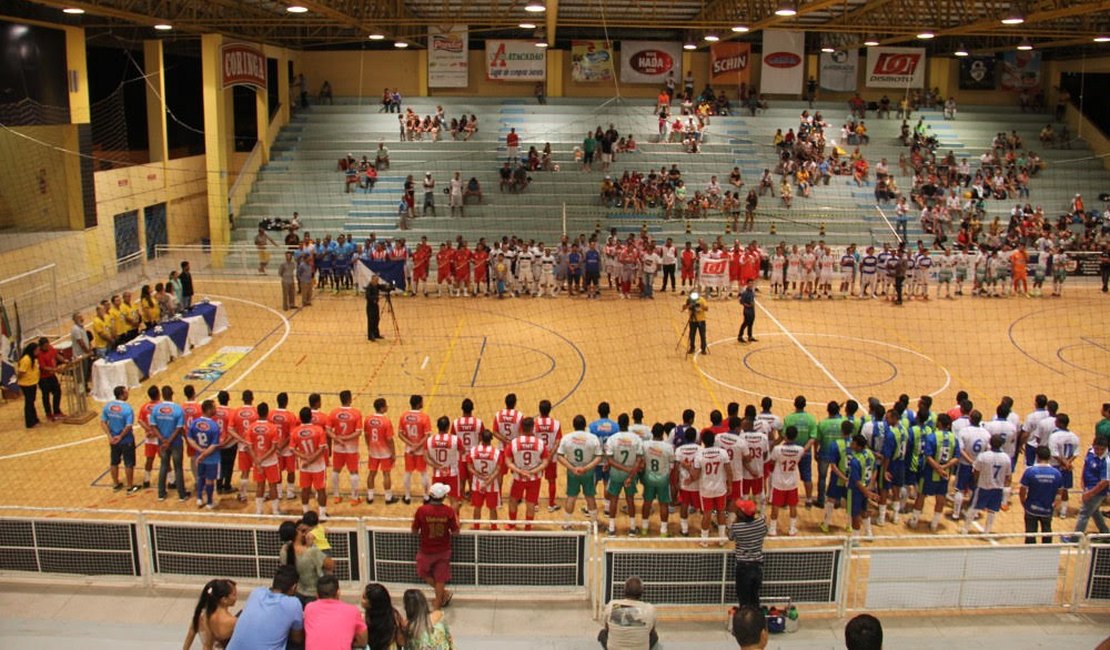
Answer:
x=151 y=311
x=27 y=375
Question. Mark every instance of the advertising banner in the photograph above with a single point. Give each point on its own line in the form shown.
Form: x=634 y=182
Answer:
x=448 y=57
x=512 y=60
x=591 y=61
x=650 y=62
x=713 y=273
x=977 y=73
x=896 y=67
x=730 y=64
x=839 y=70
x=783 y=58
x=243 y=65
x=1021 y=70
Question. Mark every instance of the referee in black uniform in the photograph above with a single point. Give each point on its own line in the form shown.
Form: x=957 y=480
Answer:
x=373 y=312
x=748 y=533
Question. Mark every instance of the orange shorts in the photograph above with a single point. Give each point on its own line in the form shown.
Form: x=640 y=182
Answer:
x=340 y=459
x=415 y=463
x=384 y=464
x=150 y=450
x=287 y=463
x=314 y=480
x=244 y=462
x=267 y=474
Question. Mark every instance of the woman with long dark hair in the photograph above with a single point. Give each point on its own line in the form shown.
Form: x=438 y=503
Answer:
x=212 y=619
x=27 y=376
x=385 y=624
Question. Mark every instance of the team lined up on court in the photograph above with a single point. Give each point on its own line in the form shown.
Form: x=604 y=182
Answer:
x=887 y=461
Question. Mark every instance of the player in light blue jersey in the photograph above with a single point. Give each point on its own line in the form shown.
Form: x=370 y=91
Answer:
x=116 y=420
x=603 y=427
x=204 y=439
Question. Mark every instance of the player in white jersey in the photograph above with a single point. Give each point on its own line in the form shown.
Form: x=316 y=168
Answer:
x=868 y=272
x=580 y=452
x=506 y=422
x=550 y=431
x=469 y=430
x=1059 y=271
x=1047 y=424
x=825 y=264
x=767 y=422
x=444 y=452
x=793 y=270
x=659 y=456
x=714 y=473
x=962 y=264
x=485 y=465
x=547 y=285
x=1064 y=446
x=992 y=476
x=1029 y=431
x=784 y=481
x=946 y=267
x=778 y=271
x=624 y=451
x=525 y=280
x=737 y=451
x=688 y=482
x=809 y=273
x=752 y=475
x=848 y=271
x=922 y=269
x=1002 y=426
x=973 y=440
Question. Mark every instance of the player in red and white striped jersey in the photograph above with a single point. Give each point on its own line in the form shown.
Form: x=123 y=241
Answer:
x=345 y=425
x=444 y=452
x=487 y=464
x=506 y=422
x=550 y=431
x=688 y=483
x=527 y=458
x=469 y=430
x=714 y=471
x=284 y=419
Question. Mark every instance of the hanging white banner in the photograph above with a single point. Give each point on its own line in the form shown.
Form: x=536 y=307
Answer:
x=783 y=56
x=839 y=70
x=515 y=61
x=651 y=62
x=713 y=273
x=448 y=57
x=896 y=67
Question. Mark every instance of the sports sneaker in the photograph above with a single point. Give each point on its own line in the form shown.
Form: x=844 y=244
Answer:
x=161 y=497
x=824 y=527
x=200 y=503
x=390 y=501
x=211 y=506
x=553 y=508
x=146 y=485
x=632 y=532
x=355 y=501
x=370 y=500
x=133 y=489
x=792 y=532
x=183 y=499
x=406 y=499
x=117 y=487
x=664 y=533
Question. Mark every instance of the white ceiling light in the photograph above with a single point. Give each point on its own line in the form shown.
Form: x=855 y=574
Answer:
x=400 y=44
x=1025 y=45
x=689 y=45
x=377 y=37
x=870 y=41
x=1102 y=38
x=712 y=37
x=926 y=35
x=535 y=7
x=527 y=25
x=828 y=50
x=1013 y=17
x=73 y=11
x=961 y=50
x=163 y=27
x=296 y=9
x=541 y=44
x=786 y=8
x=740 y=29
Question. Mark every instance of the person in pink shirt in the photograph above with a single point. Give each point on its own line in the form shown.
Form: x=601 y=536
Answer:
x=329 y=623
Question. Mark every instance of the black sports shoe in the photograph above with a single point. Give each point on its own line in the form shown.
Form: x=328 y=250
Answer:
x=406 y=500
x=117 y=487
x=391 y=500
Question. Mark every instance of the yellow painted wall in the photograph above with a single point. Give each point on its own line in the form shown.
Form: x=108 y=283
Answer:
x=25 y=203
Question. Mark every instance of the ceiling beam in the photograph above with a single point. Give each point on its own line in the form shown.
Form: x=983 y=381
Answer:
x=990 y=25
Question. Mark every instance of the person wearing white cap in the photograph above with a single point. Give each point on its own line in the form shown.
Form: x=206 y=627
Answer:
x=435 y=523
x=429 y=194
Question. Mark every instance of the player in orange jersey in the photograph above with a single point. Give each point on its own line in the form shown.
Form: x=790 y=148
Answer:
x=382 y=452
x=265 y=442
x=150 y=443
x=414 y=427
x=345 y=421
x=310 y=445
x=284 y=420
x=241 y=420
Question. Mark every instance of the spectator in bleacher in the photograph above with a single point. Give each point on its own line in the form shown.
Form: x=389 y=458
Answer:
x=884 y=107
x=395 y=101
x=540 y=92
x=324 y=94
x=473 y=188
x=426 y=628
x=749 y=628
x=212 y=619
x=272 y=618
x=429 y=185
x=330 y=623
x=629 y=621
x=864 y=632
x=381 y=156
x=385 y=624
x=387 y=102
x=471 y=127
x=950 y=109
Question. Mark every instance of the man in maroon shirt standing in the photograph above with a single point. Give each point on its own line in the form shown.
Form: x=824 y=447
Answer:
x=435 y=523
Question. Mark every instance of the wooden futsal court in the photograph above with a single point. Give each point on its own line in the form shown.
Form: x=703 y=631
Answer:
x=577 y=353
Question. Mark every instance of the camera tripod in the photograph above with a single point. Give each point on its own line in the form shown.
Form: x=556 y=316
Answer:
x=392 y=315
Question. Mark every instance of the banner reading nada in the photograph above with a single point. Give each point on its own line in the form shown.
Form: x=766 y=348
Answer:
x=591 y=61
x=896 y=67
x=783 y=53
x=515 y=61
x=448 y=56
x=651 y=62
x=729 y=63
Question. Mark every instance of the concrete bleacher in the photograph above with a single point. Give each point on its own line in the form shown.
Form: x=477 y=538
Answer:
x=303 y=176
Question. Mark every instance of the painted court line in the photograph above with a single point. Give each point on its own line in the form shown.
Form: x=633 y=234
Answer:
x=75 y=443
x=805 y=351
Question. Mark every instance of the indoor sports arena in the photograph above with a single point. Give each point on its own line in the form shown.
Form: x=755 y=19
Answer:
x=689 y=324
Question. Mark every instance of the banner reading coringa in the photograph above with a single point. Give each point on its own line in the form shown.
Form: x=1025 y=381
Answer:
x=512 y=60
x=591 y=61
x=896 y=67
x=448 y=57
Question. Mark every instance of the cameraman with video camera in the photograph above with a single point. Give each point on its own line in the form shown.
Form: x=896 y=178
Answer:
x=697 y=306
x=374 y=289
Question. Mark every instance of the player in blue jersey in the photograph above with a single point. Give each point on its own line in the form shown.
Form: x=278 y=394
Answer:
x=204 y=439
x=168 y=419
x=838 y=452
x=603 y=427
x=940 y=453
x=895 y=445
x=116 y=420
x=1042 y=489
x=861 y=477
x=591 y=261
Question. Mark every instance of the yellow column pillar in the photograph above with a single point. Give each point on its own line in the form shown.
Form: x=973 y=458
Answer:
x=555 y=73
x=154 y=68
x=77 y=69
x=79 y=129
x=262 y=114
x=217 y=126
x=421 y=74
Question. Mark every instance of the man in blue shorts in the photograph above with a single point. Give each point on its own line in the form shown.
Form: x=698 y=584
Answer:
x=592 y=262
x=1042 y=489
x=939 y=453
x=574 y=269
x=117 y=420
x=837 y=454
x=204 y=438
x=895 y=444
x=861 y=477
